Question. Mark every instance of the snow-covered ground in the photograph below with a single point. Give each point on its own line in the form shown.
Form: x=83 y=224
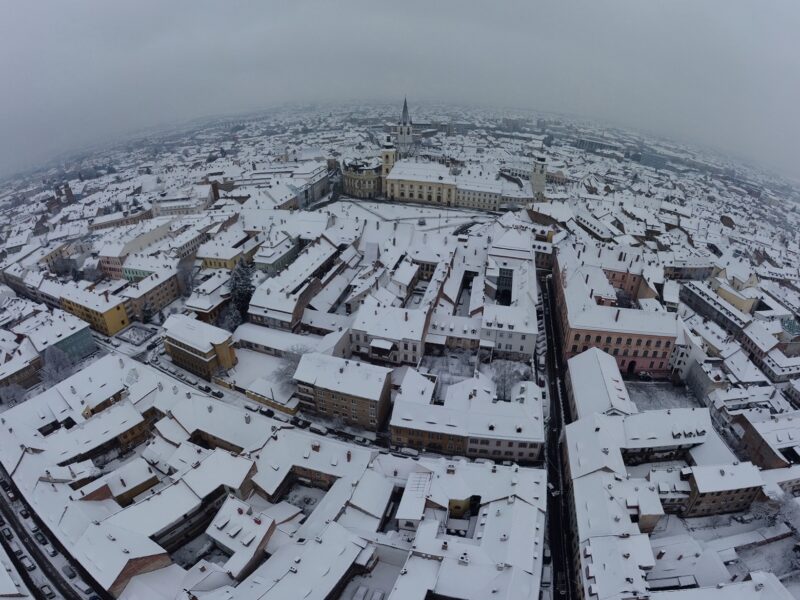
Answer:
x=137 y=334
x=777 y=556
x=793 y=585
x=435 y=218
x=304 y=497
x=200 y=547
x=380 y=579
x=656 y=395
x=452 y=367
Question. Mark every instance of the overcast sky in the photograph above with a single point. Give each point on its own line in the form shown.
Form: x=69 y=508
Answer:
x=723 y=73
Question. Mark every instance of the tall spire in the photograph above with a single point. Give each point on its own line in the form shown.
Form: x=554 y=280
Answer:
x=404 y=120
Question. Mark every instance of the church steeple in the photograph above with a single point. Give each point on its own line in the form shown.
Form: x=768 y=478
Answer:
x=404 y=135
x=404 y=120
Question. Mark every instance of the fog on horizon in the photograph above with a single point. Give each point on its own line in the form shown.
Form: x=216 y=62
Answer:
x=723 y=74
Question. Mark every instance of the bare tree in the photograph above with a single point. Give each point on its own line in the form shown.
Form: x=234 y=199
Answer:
x=290 y=360
x=92 y=274
x=12 y=393
x=57 y=366
x=186 y=276
x=779 y=510
x=507 y=374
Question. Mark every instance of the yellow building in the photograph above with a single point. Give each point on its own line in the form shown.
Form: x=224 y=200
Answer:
x=361 y=178
x=198 y=347
x=104 y=312
x=424 y=182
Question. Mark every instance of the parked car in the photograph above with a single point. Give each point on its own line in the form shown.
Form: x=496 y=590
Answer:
x=4 y=485
x=361 y=593
x=7 y=533
x=51 y=551
x=318 y=429
x=205 y=388
x=40 y=538
x=217 y=394
x=24 y=513
x=11 y=495
x=69 y=572
x=47 y=591
x=84 y=587
x=27 y=563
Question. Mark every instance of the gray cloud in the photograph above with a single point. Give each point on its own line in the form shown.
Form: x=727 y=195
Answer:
x=723 y=73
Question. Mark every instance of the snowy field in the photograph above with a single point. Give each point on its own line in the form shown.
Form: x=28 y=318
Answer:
x=251 y=365
x=452 y=367
x=434 y=217
x=136 y=334
x=655 y=395
x=201 y=547
x=720 y=531
x=793 y=585
x=380 y=579
x=304 y=497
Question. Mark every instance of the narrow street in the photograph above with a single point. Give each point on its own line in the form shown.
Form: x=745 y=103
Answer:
x=46 y=569
x=556 y=510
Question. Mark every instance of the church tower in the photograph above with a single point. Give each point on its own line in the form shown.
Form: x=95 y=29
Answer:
x=404 y=135
x=538 y=177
